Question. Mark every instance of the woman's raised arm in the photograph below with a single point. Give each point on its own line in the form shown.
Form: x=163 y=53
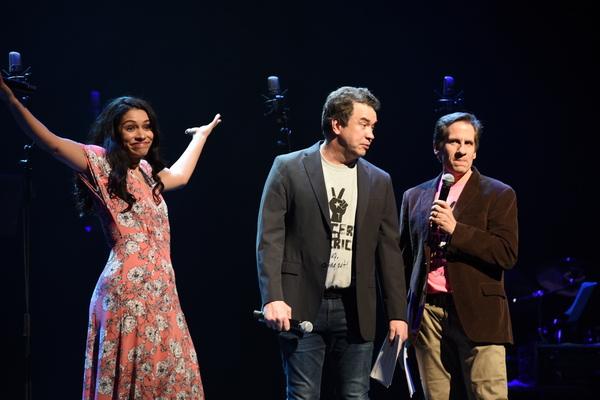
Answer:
x=180 y=173
x=65 y=150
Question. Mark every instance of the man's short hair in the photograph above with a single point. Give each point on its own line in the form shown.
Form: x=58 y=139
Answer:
x=440 y=132
x=340 y=105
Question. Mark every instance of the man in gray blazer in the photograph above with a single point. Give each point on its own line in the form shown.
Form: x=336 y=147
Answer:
x=327 y=236
x=458 y=250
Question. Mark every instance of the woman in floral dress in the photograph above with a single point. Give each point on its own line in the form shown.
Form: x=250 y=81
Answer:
x=138 y=344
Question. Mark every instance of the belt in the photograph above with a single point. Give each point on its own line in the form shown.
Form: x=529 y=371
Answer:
x=337 y=293
x=439 y=299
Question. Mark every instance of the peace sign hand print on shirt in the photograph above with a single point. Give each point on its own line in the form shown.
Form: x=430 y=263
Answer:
x=337 y=206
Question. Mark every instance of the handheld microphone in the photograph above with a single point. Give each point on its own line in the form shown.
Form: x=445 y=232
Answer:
x=447 y=181
x=303 y=326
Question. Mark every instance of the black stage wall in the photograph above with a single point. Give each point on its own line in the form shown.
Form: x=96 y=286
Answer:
x=526 y=69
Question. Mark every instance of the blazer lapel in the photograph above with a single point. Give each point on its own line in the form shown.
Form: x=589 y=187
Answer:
x=364 y=189
x=425 y=207
x=472 y=187
x=314 y=171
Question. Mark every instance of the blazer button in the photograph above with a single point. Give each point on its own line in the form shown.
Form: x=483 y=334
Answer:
x=324 y=265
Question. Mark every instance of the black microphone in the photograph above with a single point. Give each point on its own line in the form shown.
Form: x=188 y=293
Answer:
x=303 y=326
x=18 y=85
x=447 y=181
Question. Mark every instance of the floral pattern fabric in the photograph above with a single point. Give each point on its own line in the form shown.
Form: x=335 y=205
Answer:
x=138 y=344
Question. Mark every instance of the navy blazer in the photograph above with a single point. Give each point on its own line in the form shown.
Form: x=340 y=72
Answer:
x=483 y=245
x=294 y=240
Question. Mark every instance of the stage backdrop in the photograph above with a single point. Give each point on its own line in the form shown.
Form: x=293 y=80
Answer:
x=525 y=68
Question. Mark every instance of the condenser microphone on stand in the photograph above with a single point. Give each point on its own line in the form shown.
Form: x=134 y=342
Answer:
x=14 y=62
x=17 y=79
x=448 y=101
x=276 y=105
x=276 y=100
x=273 y=84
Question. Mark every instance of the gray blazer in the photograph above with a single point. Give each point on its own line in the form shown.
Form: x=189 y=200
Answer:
x=294 y=240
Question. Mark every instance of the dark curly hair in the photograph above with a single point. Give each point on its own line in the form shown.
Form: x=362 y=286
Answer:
x=105 y=132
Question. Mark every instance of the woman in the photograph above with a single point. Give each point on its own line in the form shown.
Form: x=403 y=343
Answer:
x=138 y=344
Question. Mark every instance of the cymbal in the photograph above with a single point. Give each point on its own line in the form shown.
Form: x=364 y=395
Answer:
x=564 y=276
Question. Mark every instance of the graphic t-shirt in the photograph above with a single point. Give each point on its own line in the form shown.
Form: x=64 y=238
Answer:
x=341 y=184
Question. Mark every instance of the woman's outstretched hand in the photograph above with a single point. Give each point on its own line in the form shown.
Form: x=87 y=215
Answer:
x=204 y=130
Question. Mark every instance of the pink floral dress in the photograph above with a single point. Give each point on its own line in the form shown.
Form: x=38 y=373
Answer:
x=138 y=344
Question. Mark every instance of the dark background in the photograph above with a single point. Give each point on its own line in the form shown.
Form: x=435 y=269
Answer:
x=527 y=70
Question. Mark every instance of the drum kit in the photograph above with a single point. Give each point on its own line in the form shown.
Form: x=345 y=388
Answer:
x=574 y=280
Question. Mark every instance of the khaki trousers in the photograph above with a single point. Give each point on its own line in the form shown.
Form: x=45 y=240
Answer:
x=454 y=367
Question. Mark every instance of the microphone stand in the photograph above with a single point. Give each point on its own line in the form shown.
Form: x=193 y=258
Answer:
x=27 y=163
x=448 y=102
x=17 y=79
x=276 y=104
x=286 y=132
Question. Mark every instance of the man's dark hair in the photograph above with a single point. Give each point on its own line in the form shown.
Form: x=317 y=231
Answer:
x=340 y=105
x=440 y=132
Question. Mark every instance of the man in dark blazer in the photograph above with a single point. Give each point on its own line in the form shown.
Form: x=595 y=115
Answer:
x=458 y=250
x=327 y=237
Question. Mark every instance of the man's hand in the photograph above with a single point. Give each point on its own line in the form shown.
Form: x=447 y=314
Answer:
x=441 y=214
x=397 y=327
x=277 y=315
